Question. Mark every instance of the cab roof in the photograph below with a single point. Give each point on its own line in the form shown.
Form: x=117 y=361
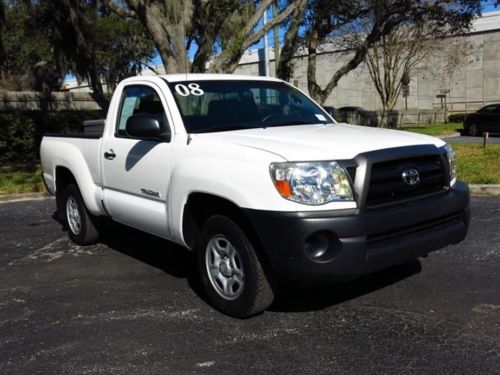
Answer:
x=205 y=77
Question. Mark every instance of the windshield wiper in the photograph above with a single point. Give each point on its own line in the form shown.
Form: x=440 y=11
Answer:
x=291 y=122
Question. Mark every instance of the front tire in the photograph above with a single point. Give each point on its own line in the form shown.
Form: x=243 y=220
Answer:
x=82 y=226
x=230 y=271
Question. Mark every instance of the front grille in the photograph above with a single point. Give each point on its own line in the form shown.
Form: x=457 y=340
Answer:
x=387 y=185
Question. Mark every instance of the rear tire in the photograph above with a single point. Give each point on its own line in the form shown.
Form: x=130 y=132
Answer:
x=82 y=226
x=230 y=271
x=473 y=130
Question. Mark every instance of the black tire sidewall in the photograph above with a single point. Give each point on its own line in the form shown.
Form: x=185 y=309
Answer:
x=471 y=126
x=242 y=306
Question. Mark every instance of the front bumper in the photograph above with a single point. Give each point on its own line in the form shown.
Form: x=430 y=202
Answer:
x=347 y=243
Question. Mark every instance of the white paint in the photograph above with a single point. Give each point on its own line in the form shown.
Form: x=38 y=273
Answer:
x=191 y=89
x=53 y=251
x=320 y=117
x=205 y=364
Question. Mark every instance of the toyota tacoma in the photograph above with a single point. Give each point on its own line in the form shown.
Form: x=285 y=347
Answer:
x=259 y=181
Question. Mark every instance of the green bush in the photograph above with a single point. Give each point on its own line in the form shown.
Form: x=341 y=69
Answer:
x=21 y=131
x=17 y=137
x=457 y=117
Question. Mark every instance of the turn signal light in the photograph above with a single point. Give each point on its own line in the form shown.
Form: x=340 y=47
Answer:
x=283 y=188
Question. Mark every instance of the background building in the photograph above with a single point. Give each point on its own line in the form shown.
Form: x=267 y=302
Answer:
x=471 y=80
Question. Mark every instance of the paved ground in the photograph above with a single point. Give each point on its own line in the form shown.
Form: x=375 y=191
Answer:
x=493 y=140
x=130 y=305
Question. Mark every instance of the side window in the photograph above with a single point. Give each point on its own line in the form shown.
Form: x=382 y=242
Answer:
x=138 y=100
x=487 y=110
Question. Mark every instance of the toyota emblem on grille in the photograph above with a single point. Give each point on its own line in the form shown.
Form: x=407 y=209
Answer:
x=411 y=176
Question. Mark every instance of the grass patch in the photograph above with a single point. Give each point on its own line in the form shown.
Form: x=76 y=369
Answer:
x=475 y=165
x=478 y=165
x=437 y=130
x=20 y=178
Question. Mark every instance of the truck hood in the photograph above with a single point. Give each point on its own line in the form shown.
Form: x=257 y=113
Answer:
x=320 y=142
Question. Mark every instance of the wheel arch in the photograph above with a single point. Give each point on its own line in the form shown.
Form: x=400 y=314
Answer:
x=199 y=207
x=65 y=176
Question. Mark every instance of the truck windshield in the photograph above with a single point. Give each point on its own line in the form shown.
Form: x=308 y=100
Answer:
x=223 y=105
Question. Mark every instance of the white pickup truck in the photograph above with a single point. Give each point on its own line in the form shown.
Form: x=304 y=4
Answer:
x=259 y=180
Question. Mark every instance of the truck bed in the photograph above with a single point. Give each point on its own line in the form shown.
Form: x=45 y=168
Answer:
x=73 y=135
x=92 y=129
x=70 y=151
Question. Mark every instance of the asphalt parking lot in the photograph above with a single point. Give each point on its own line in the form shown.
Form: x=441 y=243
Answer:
x=492 y=140
x=131 y=305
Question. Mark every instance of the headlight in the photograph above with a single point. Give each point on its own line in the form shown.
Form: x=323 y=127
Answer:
x=312 y=182
x=450 y=154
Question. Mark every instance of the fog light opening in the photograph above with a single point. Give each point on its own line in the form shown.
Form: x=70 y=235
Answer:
x=317 y=245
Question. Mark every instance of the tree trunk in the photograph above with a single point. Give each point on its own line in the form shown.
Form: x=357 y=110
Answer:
x=167 y=24
x=380 y=27
x=313 y=87
x=170 y=22
x=286 y=64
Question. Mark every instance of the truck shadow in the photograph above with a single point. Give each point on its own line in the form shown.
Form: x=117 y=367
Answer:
x=149 y=249
x=179 y=262
x=146 y=248
x=320 y=296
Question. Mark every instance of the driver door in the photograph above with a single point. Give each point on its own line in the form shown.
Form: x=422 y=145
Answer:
x=136 y=172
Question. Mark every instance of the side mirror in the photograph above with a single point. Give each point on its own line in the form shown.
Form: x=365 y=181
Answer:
x=147 y=127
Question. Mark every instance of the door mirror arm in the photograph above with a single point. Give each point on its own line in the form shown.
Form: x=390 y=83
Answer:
x=147 y=127
x=165 y=135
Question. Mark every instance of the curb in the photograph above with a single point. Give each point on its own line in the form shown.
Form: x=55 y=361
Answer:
x=450 y=135
x=23 y=197
x=485 y=189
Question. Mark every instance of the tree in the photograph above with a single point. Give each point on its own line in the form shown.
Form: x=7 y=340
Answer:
x=244 y=35
x=221 y=29
x=285 y=65
x=2 y=50
x=122 y=48
x=391 y=61
x=27 y=61
x=97 y=46
x=342 y=22
x=44 y=40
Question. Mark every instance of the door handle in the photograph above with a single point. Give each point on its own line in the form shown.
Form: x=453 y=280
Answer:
x=110 y=155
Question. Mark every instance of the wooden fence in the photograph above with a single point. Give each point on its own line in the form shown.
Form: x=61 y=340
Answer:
x=56 y=101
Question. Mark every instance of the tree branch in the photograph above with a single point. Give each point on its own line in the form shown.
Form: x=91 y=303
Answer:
x=285 y=65
x=228 y=59
x=118 y=10
x=148 y=66
x=280 y=18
